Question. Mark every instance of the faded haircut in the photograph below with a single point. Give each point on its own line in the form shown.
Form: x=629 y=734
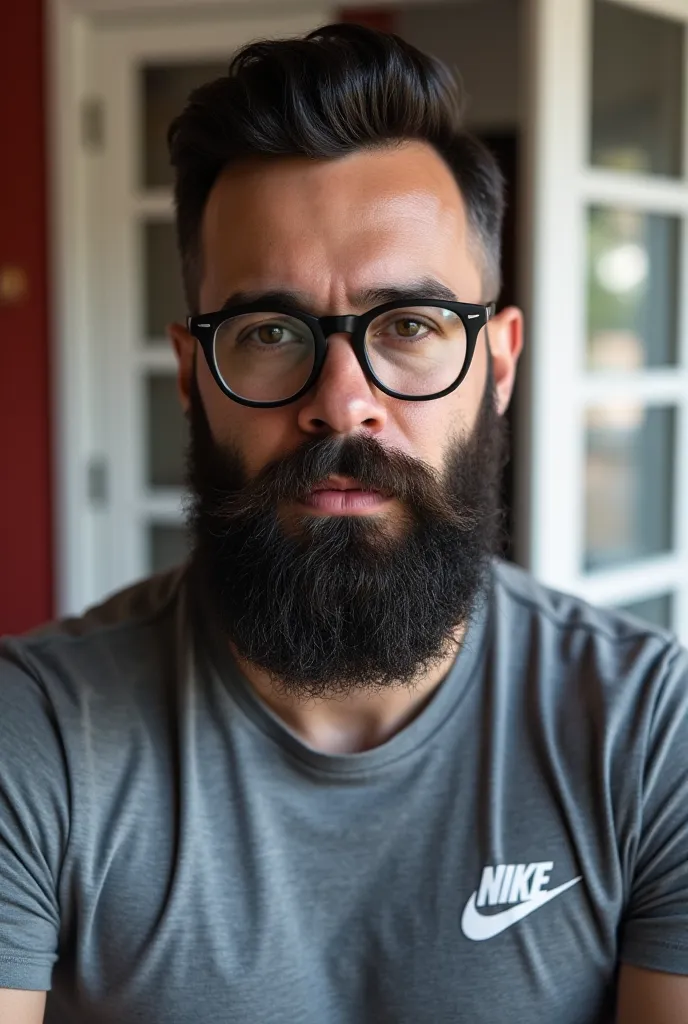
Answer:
x=340 y=89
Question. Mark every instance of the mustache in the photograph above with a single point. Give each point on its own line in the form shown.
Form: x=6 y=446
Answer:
x=363 y=458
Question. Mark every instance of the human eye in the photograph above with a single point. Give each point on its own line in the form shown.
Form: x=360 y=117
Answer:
x=406 y=325
x=270 y=334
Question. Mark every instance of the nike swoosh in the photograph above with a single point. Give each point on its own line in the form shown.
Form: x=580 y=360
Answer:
x=477 y=926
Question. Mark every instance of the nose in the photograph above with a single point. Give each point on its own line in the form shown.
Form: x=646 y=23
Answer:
x=342 y=400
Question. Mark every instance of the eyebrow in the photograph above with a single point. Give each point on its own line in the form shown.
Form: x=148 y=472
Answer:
x=414 y=291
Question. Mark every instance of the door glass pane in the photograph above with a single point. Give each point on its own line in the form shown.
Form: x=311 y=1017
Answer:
x=164 y=90
x=166 y=433
x=633 y=261
x=163 y=295
x=167 y=546
x=628 y=483
x=657 y=611
x=637 y=88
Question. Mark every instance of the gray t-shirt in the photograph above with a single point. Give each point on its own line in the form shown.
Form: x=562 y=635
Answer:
x=170 y=853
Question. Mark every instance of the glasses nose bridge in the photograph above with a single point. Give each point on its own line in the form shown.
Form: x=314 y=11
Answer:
x=338 y=324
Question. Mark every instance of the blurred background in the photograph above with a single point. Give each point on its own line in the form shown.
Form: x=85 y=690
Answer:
x=584 y=103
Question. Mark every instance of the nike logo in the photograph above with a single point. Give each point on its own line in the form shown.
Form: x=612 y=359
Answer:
x=478 y=927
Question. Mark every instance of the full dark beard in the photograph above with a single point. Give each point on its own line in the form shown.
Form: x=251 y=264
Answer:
x=334 y=604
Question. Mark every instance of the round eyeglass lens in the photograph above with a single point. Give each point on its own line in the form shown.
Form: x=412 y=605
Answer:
x=417 y=350
x=264 y=357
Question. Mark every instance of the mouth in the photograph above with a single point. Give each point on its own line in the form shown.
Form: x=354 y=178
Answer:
x=343 y=496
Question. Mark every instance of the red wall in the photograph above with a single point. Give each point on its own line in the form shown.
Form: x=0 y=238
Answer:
x=25 y=515
x=383 y=19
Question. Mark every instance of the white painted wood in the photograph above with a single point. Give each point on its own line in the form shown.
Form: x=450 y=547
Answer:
x=556 y=137
x=654 y=194
x=78 y=525
x=653 y=387
x=155 y=203
x=162 y=505
x=156 y=357
x=685 y=97
x=561 y=187
x=121 y=51
x=681 y=454
x=634 y=582
x=117 y=303
x=523 y=455
x=95 y=211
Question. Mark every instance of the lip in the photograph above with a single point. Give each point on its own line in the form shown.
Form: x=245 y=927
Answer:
x=338 y=483
x=343 y=496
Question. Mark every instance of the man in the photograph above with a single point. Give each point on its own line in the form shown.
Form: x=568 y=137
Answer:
x=346 y=766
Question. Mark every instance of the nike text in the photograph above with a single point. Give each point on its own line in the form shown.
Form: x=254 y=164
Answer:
x=520 y=885
x=510 y=883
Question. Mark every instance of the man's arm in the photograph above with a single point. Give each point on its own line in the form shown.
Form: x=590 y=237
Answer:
x=651 y=997
x=18 y=1007
x=653 y=954
x=34 y=831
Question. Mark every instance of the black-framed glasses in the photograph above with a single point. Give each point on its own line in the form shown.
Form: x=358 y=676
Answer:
x=416 y=350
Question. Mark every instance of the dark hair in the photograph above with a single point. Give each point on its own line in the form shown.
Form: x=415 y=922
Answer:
x=342 y=88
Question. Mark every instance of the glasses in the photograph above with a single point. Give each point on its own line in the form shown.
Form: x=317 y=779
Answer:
x=415 y=351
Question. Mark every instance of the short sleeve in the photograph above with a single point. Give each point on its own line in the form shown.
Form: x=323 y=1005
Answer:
x=34 y=828
x=655 y=929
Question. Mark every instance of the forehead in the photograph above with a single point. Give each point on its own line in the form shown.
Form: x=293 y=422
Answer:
x=329 y=228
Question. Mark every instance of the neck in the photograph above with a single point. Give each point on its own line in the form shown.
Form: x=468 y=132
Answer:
x=359 y=721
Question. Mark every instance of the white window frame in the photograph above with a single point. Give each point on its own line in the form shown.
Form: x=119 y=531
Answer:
x=82 y=529
x=561 y=186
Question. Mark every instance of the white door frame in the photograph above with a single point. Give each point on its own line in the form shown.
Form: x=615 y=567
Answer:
x=560 y=185
x=78 y=520
x=82 y=522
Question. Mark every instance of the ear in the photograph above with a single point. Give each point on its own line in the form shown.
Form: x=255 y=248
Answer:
x=505 y=339
x=185 y=348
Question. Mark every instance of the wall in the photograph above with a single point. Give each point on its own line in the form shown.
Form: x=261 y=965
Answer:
x=382 y=20
x=25 y=513
x=480 y=38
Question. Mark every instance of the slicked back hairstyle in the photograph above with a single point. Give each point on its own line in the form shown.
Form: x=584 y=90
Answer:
x=340 y=89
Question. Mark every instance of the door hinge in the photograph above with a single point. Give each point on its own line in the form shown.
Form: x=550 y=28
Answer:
x=93 y=123
x=97 y=481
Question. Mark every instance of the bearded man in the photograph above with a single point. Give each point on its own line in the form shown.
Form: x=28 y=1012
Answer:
x=345 y=766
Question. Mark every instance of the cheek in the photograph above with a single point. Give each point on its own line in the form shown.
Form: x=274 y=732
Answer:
x=429 y=427
x=260 y=435
x=423 y=429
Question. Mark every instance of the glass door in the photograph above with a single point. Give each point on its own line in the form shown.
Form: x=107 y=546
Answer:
x=608 y=487
x=141 y=77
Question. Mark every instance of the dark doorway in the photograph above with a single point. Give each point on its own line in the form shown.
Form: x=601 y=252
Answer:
x=505 y=148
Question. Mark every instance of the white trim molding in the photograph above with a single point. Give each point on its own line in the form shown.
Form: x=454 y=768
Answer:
x=82 y=534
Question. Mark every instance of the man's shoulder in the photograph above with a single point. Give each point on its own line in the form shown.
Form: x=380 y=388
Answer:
x=596 y=685
x=119 y=638
x=131 y=607
x=549 y=630
x=521 y=595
